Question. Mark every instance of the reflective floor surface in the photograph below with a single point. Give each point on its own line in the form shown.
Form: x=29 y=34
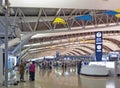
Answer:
x=60 y=78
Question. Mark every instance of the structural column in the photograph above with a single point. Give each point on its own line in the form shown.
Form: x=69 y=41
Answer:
x=1 y=66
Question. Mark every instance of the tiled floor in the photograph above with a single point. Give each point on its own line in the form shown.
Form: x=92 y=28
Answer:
x=59 y=78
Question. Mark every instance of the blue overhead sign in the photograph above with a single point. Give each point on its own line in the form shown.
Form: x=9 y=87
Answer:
x=98 y=46
x=84 y=17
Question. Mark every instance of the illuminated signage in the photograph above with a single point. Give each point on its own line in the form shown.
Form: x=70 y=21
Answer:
x=98 y=45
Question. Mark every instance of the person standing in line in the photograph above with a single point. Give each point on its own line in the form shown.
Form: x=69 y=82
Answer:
x=79 y=65
x=22 y=70
x=32 y=71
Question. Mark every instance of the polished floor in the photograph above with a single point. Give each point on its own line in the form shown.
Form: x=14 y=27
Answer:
x=59 y=78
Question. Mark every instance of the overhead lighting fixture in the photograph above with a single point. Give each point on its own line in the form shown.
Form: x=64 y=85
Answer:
x=39 y=35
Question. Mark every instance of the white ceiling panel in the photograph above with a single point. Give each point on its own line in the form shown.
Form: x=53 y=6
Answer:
x=79 y=4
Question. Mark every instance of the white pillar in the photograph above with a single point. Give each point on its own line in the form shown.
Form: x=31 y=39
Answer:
x=1 y=66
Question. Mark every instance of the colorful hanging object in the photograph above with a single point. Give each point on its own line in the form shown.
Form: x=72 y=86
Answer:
x=117 y=15
x=84 y=17
x=112 y=13
x=59 y=20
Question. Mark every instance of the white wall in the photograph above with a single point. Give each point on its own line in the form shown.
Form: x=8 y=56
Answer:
x=79 y=4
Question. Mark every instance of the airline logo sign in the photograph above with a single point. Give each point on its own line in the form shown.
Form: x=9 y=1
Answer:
x=98 y=45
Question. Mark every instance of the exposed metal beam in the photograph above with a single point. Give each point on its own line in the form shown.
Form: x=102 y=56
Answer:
x=21 y=44
x=75 y=31
x=58 y=12
x=72 y=12
x=16 y=40
x=39 y=15
x=23 y=16
x=50 y=26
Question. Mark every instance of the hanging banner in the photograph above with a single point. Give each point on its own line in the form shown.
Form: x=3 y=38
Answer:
x=98 y=46
x=59 y=20
x=112 y=13
x=84 y=17
x=117 y=15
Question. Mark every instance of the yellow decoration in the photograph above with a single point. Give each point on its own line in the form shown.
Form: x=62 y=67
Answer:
x=117 y=10
x=59 y=21
x=117 y=15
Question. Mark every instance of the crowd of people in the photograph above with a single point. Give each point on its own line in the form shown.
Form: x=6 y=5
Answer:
x=29 y=67
x=45 y=64
x=25 y=67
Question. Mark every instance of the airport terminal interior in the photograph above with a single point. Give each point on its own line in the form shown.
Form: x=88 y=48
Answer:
x=59 y=44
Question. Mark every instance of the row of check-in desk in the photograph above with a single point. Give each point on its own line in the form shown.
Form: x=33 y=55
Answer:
x=100 y=69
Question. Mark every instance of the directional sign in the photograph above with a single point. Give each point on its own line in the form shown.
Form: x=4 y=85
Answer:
x=98 y=46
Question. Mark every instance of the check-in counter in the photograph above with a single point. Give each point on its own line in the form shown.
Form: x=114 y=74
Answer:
x=99 y=69
x=95 y=70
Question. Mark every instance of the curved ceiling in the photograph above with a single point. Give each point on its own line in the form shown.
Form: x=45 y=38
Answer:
x=79 y=4
x=81 y=49
x=51 y=37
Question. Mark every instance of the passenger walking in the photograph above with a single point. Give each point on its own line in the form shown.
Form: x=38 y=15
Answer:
x=22 y=70
x=79 y=65
x=32 y=71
